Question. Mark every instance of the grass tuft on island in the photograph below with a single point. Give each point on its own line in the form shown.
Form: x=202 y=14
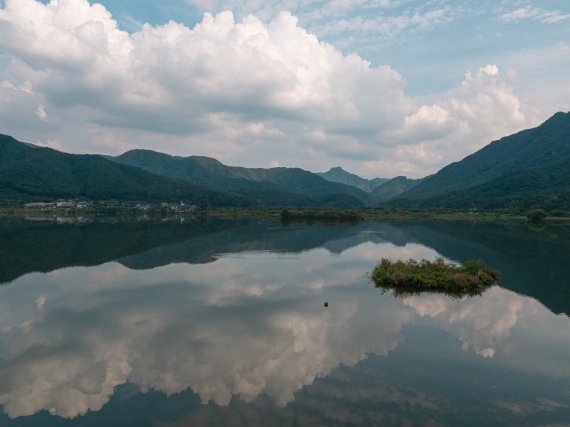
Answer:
x=411 y=277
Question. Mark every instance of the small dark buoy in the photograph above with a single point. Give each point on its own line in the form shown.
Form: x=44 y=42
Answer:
x=326 y=304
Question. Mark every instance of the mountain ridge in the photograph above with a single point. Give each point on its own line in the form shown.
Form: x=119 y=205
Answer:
x=393 y=188
x=537 y=147
x=214 y=174
x=30 y=172
x=528 y=169
x=338 y=174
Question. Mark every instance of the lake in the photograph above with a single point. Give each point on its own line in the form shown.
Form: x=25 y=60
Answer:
x=223 y=323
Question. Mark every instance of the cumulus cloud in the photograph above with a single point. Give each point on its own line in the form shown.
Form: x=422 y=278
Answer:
x=245 y=68
x=482 y=104
x=483 y=107
x=237 y=89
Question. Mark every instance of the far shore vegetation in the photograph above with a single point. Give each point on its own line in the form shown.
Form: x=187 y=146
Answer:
x=410 y=277
x=536 y=216
x=290 y=215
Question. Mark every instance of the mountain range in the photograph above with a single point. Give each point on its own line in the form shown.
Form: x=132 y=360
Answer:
x=282 y=186
x=29 y=172
x=526 y=170
x=338 y=174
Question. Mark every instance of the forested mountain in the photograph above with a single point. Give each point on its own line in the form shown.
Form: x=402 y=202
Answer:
x=29 y=172
x=392 y=189
x=338 y=174
x=508 y=167
x=212 y=173
x=33 y=173
x=530 y=169
x=544 y=187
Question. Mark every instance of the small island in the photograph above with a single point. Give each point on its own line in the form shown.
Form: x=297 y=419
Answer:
x=410 y=277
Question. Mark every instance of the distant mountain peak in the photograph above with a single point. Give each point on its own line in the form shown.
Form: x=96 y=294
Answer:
x=8 y=139
x=204 y=160
x=392 y=188
x=557 y=118
x=338 y=174
x=275 y=186
x=144 y=152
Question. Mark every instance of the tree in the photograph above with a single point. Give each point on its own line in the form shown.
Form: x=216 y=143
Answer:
x=536 y=216
x=285 y=215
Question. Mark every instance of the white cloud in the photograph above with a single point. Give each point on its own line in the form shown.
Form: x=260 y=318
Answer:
x=353 y=25
x=483 y=104
x=482 y=108
x=315 y=9
x=41 y=112
x=535 y=14
x=177 y=79
x=385 y=27
x=250 y=92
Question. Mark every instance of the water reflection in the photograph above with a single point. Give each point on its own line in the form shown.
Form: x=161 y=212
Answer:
x=250 y=333
x=531 y=263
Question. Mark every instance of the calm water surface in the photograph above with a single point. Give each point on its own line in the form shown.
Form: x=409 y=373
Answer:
x=222 y=324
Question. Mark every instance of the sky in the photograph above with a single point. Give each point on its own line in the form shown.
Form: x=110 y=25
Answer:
x=379 y=87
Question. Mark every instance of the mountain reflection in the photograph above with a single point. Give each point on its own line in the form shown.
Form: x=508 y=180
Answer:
x=245 y=328
x=531 y=263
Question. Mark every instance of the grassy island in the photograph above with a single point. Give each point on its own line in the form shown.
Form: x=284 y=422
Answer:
x=409 y=277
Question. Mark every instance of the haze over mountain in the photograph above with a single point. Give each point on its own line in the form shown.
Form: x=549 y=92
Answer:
x=338 y=174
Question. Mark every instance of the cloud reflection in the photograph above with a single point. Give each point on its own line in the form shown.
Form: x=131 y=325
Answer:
x=240 y=327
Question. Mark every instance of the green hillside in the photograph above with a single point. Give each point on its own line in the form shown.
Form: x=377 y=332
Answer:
x=279 y=183
x=29 y=172
x=392 y=188
x=338 y=174
x=530 y=169
x=545 y=188
x=541 y=147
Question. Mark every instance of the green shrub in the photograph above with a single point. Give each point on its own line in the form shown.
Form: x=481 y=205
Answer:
x=433 y=276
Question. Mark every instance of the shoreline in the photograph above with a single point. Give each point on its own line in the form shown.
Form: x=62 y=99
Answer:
x=287 y=215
